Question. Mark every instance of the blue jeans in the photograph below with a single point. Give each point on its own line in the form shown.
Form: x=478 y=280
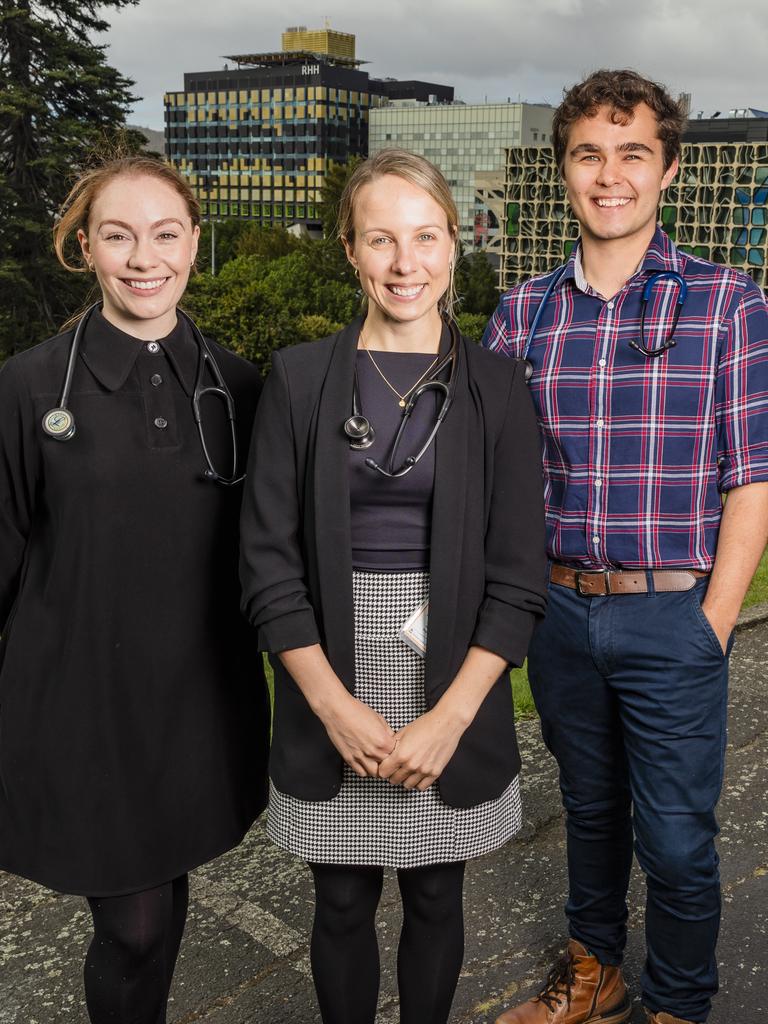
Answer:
x=632 y=693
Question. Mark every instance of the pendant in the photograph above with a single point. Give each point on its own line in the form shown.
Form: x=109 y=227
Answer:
x=401 y=403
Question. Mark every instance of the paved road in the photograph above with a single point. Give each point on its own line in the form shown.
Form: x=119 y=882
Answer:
x=244 y=959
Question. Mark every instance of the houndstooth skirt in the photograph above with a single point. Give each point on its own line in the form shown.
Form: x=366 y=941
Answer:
x=370 y=821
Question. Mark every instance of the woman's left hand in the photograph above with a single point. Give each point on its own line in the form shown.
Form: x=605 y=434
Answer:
x=423 y=749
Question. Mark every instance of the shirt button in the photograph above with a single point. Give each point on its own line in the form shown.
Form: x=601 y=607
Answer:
x=153 y=347
x=601 y=423
x=602 y=362
x=598 y=483
x=610 y=305
x=161 y=423
x=595 y=539
x=155 y=380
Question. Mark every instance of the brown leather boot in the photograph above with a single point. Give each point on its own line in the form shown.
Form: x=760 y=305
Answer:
x=664 y=1018
x=579 y=990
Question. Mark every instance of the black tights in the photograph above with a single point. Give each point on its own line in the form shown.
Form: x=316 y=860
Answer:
x=129 y=964
x=345 y=952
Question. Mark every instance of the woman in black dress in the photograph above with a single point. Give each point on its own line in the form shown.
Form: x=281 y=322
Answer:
x=133 y=713
x=384 y=753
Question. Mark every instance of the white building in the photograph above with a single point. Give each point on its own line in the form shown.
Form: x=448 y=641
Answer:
x=467 y=142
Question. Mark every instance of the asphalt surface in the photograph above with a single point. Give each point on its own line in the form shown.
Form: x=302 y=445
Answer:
x=244 y=958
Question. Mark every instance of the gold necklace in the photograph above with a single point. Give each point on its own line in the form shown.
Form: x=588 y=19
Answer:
x=404 y=397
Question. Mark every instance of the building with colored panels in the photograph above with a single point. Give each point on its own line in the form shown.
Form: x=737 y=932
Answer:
x=255 y=140
x=716 y=208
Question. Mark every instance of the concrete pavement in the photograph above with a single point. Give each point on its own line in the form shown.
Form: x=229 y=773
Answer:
x=244 y=958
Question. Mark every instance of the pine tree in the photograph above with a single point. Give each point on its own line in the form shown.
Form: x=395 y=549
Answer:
x=60 y=102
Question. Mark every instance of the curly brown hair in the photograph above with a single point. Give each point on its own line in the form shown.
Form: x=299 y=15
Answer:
x=621 y=91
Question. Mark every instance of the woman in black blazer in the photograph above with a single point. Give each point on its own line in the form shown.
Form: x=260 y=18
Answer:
x=383 y=753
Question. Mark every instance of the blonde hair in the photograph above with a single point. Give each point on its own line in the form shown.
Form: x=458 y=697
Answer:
x=75 y=211
x=417 y=171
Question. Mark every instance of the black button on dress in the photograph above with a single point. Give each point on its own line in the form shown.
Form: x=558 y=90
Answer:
x=133 y=711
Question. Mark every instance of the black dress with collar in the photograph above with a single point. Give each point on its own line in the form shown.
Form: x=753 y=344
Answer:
x=133 y=712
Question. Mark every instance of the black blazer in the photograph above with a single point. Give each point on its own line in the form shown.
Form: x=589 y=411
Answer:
x=487 y=555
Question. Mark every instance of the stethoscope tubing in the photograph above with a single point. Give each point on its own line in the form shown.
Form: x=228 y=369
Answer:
x=361 y=433
x=640 y=346
x=59 y=423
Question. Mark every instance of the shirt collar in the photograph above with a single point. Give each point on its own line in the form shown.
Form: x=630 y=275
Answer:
x=661 y=255
x=110 y=353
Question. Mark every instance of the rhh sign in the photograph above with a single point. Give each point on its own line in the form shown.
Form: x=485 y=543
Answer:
x=310 y=69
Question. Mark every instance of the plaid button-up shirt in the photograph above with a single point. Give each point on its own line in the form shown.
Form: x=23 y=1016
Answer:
x=637 y=450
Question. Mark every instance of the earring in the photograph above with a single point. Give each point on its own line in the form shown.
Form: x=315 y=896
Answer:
x=357 y=273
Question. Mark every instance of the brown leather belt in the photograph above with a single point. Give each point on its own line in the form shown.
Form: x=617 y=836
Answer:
x=603 y=582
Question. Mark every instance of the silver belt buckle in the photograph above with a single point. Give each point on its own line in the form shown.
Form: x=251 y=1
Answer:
x=599 y=572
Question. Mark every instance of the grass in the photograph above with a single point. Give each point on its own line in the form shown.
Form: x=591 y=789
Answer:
x=758 y=591
x=521 y=691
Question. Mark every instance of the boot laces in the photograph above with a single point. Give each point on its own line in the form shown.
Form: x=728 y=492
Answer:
x=559 y=982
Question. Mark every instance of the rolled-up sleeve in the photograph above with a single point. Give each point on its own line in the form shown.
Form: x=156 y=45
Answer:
x=741 y=408
x=18 y=472
x=496 y=336
x=272 y=573
x=515 y=543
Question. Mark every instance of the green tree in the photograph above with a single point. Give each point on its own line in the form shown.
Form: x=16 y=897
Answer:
x=59 y=101
x=472 y=325
x=330 y=195
x=268 y=242
x=476 y=284
x=257 y=304
x=227 y=238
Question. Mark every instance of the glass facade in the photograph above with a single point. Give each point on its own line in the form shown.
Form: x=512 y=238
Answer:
x=717 y=208
x=463 y=141
x=257 y=142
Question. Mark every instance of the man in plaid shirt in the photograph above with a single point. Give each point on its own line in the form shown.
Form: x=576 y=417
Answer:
x=643 y=432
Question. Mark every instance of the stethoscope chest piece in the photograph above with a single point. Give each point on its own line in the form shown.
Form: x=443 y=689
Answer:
x=59 y=424
x=359 y=431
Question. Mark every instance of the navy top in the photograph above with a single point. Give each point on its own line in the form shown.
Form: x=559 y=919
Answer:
x=391 y=517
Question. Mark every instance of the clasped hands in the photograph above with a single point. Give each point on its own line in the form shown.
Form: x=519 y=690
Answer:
x=413 y=757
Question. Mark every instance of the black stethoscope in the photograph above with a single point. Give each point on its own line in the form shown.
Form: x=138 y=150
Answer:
x=361 y=434
x=59 y=423
x=640 y=346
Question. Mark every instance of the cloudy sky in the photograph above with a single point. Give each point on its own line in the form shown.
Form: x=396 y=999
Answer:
x=494 y=49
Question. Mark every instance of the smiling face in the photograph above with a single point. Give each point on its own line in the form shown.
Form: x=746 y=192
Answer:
x=141 y=244
x=614 y=175
x=402 y=248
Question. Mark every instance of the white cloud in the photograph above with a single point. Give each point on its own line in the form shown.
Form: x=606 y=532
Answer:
x=493 y=48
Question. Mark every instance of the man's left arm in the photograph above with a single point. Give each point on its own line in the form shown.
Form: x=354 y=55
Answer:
x=742 y=416
x=740 y=545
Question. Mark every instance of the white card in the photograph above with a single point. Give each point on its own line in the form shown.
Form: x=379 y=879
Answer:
x=414 y=630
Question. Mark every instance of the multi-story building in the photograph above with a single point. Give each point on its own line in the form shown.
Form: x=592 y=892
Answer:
x=716 y=208
x=468 y=144
x=256 y=140
x=744 y=125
